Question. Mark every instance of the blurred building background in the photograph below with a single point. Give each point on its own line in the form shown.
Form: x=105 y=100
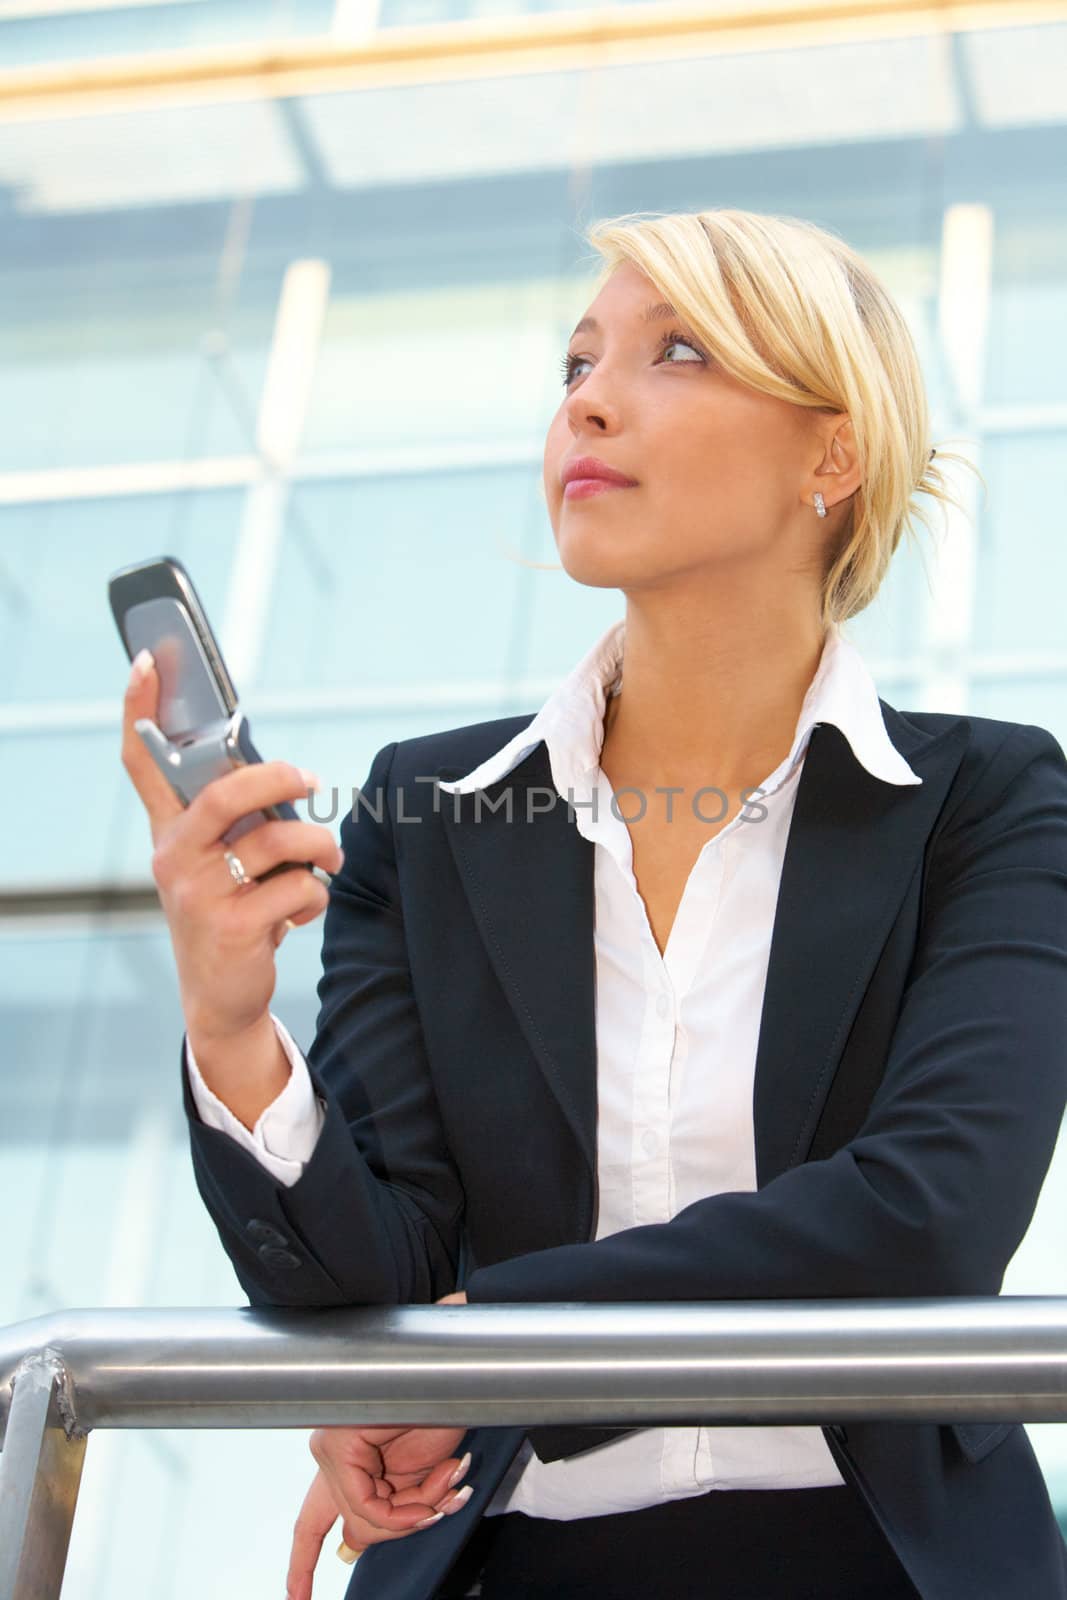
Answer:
x=283 y=292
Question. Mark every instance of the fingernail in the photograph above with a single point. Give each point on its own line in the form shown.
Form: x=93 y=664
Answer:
x=346 y=1553
x=460 y=1471
x=429 y=1522
x=141 y=666
x=310 y=779
x=462 y=1496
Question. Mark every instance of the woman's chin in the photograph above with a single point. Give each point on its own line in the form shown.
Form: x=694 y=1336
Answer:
x=605 y=564
x=596 y=557
x=595 y=570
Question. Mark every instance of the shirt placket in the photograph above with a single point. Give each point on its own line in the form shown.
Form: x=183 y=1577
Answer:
x=651 y=1140
x=687 y=947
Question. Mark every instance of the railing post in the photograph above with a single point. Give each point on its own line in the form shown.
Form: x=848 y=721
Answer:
x=40 y=1471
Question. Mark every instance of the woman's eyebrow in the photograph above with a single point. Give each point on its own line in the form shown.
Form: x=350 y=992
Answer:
x=656 y=313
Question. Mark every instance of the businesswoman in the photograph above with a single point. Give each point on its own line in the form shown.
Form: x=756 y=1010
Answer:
x=718 y=978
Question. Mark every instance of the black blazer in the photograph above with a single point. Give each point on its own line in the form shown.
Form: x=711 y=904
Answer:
x=919 y=954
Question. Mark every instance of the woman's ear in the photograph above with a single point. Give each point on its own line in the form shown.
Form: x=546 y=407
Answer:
x=837 y=475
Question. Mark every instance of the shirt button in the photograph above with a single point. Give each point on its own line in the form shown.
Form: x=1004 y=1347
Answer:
x=650 y=1144
x=663 y=1005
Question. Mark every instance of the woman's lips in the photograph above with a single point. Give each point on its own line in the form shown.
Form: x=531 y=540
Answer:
x=582 y=488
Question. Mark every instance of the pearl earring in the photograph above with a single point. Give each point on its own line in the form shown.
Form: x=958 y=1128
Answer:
x=820 y=504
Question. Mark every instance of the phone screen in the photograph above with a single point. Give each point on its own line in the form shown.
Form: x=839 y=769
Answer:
x=189 y=699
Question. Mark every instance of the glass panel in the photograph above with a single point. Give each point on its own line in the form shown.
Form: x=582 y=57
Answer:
x=1016 y=75
x=696 y=107
x=1028 y=321
x=137 y=1488
x=72 y=816
x=76 y=819
x=1036 y=700
x=93 y=1135
x=462 y=364
x=412 y=13
x=123 y=28
x=358 y=596
x=58 y=640
x=160 y=353
x=1022 y=555
x=94 y=1165
x=891 y=628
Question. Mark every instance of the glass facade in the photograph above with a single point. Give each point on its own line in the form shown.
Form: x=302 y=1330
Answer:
x=44 y=33
x=357 y=525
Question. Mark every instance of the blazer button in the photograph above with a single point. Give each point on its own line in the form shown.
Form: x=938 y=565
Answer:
x=271 y=1256
x=263 y=1233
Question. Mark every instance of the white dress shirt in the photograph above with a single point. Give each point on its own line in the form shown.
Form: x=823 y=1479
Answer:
x=676 y=1047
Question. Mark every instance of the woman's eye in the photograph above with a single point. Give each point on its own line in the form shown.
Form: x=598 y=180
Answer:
x=570 y=364
x=686 y=345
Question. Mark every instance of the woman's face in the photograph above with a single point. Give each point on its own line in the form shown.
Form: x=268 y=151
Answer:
x=720 y=470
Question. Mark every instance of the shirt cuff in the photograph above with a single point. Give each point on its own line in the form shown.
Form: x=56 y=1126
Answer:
x=286 y=1131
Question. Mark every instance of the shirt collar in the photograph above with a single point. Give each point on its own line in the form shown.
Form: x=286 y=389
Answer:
x=571 y=721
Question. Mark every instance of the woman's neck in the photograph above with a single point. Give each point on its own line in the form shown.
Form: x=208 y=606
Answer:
x=703 y=704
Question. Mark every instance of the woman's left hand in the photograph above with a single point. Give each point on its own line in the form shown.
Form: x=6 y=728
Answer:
x=384 y=1483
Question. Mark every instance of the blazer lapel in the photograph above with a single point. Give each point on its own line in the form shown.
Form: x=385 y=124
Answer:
x=530 y=887
x=854 y=842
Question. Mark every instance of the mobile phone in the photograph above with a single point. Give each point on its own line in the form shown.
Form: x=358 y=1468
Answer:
x=200 y=732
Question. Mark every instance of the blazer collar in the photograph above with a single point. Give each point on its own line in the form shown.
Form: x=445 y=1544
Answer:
x=854 y=843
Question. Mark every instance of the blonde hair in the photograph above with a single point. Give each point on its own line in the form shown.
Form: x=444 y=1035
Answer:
x=792 y=311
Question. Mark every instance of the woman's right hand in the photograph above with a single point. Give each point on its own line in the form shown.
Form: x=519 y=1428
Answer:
x=224 y=935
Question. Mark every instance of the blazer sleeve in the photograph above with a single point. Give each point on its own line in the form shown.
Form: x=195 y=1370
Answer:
x=375 y=1216
x=935 y=1192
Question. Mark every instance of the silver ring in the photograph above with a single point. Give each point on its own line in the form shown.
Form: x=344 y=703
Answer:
x=236 y=866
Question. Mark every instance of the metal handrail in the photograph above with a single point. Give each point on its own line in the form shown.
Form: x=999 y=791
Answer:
x=761 y=1362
